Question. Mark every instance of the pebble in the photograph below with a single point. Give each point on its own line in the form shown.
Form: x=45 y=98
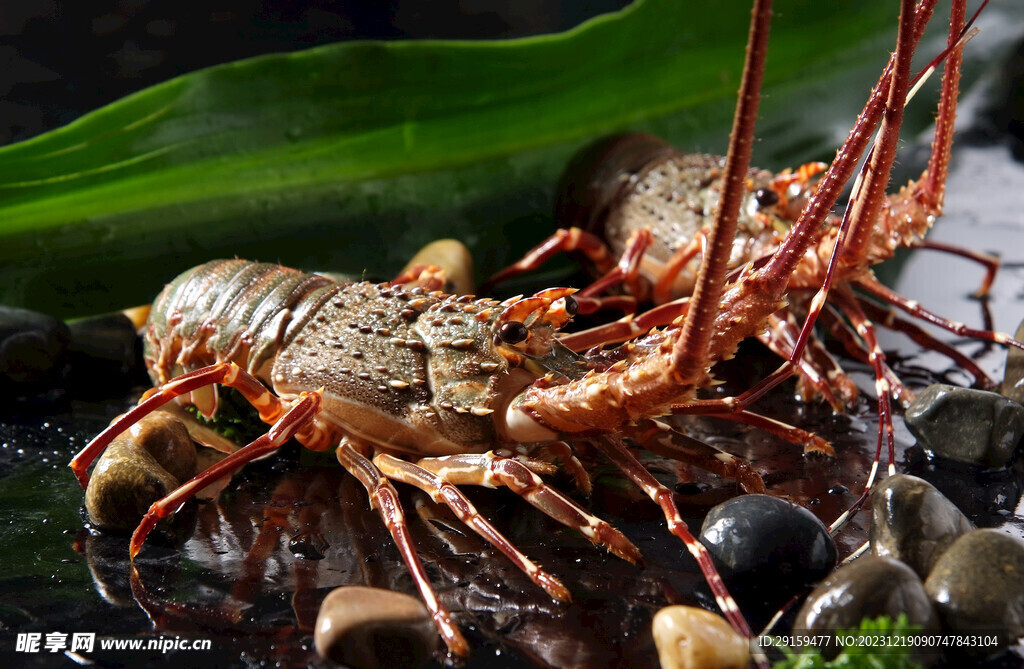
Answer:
x=913 y=522
x=967 y=425
x=33 y=354
x=1013 y=379
x=365 y=627
x=692 y=638
x=868 y=587
x=106 y=356
x=140 y=466
x=978 y=585
x=454 y=258
x=765 y=542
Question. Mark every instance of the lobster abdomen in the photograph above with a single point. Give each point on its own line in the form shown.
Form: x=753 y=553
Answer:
x=229 y=311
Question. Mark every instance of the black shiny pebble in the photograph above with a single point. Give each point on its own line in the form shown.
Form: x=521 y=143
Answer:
x=767 y=543
x=33 y=354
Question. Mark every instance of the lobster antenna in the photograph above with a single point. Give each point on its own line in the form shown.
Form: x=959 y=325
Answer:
x=689 y=356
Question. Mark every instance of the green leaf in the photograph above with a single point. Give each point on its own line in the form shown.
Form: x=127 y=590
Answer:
x=350 y=157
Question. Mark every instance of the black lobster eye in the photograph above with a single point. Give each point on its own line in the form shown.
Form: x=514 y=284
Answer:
x=571 y=305
x=766 y=197
x=513 y=332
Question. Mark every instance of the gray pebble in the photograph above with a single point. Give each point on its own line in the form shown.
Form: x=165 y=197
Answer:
x=913 y=522
x=967 y=425
x=978 y=585
x=1013 y=379
x=866 y=588
x=369 y=627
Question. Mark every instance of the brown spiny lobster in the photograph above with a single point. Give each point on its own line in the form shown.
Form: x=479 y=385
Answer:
x=416 y=386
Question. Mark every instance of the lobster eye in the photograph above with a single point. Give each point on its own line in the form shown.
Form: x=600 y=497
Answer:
x=766 y=197
x=513 y=332
x=572 y=307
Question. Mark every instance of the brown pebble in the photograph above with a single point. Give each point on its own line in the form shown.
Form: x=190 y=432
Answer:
x=692 y=638
x=142 y=465
x=166 y=438
x=370 y=627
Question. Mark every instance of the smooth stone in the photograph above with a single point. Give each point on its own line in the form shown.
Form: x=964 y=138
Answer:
x=978 y=585
x=913 y=522
x=1013 y=377
x=454 y=258
x=365 y=627
x=967 y=425
x=124 y=484
x=106 y=355
x=692 y=638
x=33 y=353
x=166 y=438
x=868 y=587
x=768 y=543
x=141 y=466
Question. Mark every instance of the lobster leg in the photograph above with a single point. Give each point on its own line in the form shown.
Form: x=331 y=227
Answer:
x=625 y=328
x=570 y=463
x=562 y=241
x=617 y=452
x=888 y=319
x=492 y=470
x=444 y=492
x=866 y=330
x=312 y=435
x=384 y=498
x=300 y=415
x=628 y=268
x=781 y=337
x=911 y=307
x=812 y=443
x=855 y=348
x=663 y=440
x=989 y=262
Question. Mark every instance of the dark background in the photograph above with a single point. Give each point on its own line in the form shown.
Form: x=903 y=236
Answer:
x=60 y=58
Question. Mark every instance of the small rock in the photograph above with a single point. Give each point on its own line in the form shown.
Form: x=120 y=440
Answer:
x=866 y=588
x=968 y=425
x=692 y=638
x=141 y=466
x=126 y=482
x=166 y=438
x=106 y=356
x=1013 y=379
x=33 y=354
x=768 y=543
x=913 y=522
x=978 y=585
x=369 y=627
x=454 y=258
